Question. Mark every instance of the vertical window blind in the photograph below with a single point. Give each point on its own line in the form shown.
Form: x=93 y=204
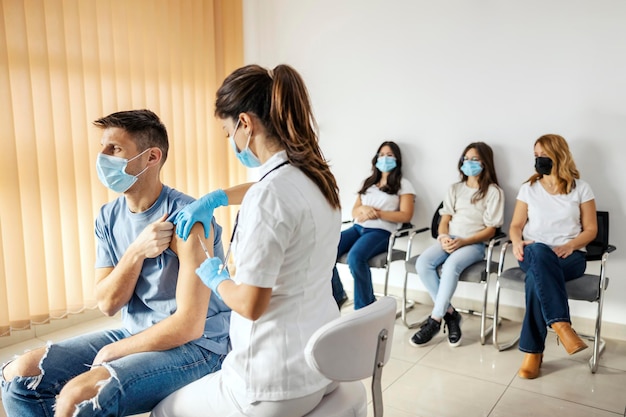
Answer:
x=65 y=63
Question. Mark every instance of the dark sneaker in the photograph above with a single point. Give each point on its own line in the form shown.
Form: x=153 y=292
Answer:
x=453 y=323
x=343 y=300
x=425 y=333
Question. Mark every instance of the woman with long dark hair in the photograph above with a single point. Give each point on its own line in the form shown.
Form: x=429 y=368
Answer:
x=472 y=211
x=384 y=200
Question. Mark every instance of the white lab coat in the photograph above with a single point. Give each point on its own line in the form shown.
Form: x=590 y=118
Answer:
x=286 y=239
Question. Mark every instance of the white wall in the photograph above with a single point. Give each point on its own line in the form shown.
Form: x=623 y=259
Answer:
x=434 y=76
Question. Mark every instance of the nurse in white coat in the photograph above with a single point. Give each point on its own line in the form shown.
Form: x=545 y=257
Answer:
x=284 y=245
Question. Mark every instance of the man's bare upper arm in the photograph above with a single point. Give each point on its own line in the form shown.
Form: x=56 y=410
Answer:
x=192 y=296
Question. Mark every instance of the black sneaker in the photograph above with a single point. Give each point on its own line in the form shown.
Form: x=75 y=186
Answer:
x=453 y=323
x=343 y=300
x=426 y=332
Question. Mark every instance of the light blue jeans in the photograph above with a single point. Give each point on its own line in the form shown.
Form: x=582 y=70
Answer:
x=441 y=288
x=138 y=381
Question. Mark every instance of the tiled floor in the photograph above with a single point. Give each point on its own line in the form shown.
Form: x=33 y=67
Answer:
x=474 y=380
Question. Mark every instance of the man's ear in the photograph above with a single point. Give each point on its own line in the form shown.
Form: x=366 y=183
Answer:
x=154 y=156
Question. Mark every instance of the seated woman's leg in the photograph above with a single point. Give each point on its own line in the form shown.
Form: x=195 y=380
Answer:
x=450 y=272
x=546 y=297
x=347 y=239
x=371 y=243
x=426 y=267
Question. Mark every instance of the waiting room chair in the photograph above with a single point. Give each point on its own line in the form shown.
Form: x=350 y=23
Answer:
x=586 y=288
x=478 y=273
x=350 y=348
x=384 y=259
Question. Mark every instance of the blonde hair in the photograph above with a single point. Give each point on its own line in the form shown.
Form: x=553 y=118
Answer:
x=563 y=166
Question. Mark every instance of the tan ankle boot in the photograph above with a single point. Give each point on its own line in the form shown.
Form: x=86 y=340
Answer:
x=568 y=337
x=530 y=366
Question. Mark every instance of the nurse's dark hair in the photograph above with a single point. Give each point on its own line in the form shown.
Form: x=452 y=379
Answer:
x=488 y=175
x=144 y=126
x=280 y=100
x=395 y=175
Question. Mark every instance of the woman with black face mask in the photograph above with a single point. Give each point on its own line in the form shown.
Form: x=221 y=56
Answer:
x=554 y=219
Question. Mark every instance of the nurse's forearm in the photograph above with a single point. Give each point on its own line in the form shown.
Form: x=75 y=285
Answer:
x=235 y=194
x=246 y=300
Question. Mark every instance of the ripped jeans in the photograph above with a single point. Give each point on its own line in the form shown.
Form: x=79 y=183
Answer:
x=138 y=381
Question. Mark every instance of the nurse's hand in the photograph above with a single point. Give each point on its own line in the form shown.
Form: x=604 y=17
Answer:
x=213 y=274
x=201 y=211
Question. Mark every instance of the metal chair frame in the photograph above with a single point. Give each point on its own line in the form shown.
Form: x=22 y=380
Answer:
x=598 y=250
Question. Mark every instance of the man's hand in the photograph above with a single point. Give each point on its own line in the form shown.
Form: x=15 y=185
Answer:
x=107 y=354
x=155 y=238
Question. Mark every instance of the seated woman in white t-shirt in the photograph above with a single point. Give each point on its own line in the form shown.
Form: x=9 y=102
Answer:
x=384 y=200
x=472 y=211
x=554 y=219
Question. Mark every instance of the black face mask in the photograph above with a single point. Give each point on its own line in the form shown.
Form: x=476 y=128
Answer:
x=543 y=165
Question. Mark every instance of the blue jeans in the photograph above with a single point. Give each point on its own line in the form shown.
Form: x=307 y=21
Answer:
x=546 y=297
x=441 y=288
x=361 y=244
x=139 y=381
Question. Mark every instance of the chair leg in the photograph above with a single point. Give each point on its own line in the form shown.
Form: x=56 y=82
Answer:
x=483 y=316
x=496 y=321
x=407 y=305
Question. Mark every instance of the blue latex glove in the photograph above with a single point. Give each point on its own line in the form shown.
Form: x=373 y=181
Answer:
x=201 y=211
x=209 y=273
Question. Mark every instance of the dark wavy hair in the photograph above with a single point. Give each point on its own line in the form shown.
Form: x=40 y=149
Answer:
x=488 y=175
x=395 y=175
x=280 y=100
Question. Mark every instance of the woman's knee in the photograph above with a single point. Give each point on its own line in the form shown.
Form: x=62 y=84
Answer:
x=538 y=250
x=356 y=261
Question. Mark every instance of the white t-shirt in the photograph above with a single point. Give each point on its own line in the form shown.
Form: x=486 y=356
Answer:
x=286 y=239
x=553 y=219
x=380 y=200
x=469 y=218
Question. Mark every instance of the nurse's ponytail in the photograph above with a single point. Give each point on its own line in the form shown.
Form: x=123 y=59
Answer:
x=295 y=127
x=280 y=100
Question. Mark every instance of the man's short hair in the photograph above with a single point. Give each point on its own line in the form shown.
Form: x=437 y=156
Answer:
x=144 y=126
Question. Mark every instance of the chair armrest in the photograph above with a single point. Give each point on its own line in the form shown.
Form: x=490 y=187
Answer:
x=505 y=246
x=493 y=242
x=610 y=249
x=413 y=232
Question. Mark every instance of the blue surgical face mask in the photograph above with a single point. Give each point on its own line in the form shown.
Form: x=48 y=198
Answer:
x=246 y=157
x=471 y=168
x=385 y=163
x=112 y=172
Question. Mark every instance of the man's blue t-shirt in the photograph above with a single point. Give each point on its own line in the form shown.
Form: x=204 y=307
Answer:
x=154 y=298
